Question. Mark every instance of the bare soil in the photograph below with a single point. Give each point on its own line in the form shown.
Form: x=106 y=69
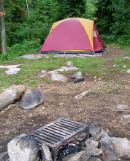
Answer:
x=99 y=106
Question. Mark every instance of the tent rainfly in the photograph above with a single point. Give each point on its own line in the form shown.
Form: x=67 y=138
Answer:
x=73 y=35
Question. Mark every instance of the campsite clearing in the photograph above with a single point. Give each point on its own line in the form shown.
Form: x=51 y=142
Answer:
x=107 y=83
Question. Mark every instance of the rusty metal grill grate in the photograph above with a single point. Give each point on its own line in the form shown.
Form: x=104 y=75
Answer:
x=58 y=133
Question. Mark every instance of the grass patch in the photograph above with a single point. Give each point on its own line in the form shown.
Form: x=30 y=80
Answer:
x=122 y=82
x=30 y=69
x=119 y=65
x=93 y=65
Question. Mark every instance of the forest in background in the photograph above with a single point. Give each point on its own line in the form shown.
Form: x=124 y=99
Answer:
x=26 y=29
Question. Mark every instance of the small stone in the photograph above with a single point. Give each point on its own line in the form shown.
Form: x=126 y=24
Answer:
x=69 y=64
x=128 y=71
x=81 y=137
x=91 y=143
x=99 y=79
x=121 y=146
x=77 y=75
x=121 y=107
x=126 y=58
x=11 y=69
x=55 y=76
x=43 y=71
x=33 y=56
x=114 y=65
x=86 y=74
x=11 y=95
x=124 y=66
x=76 y=80
x=81 y=95
x=126 y=116
x=61 y=104
x=23 y=149
x=65 y=68
x=46 y=154
x=31 y=99
x=80 y=156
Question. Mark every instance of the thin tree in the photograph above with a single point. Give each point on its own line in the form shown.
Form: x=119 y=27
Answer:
x=27 y=6
x=3 y=34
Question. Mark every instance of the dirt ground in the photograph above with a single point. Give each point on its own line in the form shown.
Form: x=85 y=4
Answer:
x=99 y=106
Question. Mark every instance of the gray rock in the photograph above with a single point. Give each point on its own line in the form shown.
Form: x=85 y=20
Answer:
x=86 y=74
x=76 y=80
x=46 y=154
x=80 y=96
x=93 y=151
x=81 y=137
x=80 y=156
x=122 y=107
x=106 y=139
x=95 y=131
x=121 y=146
x=126 y=58
x=91 y=143
x=109 y=153
x=58 y=77
x=11 y=69
x=77 y=75
x=23 y=149
x=34 y=56
x=43 y=73
x=31 y=99
x=4 y=156
x=94 y=159
x=128 y=71
x=126 y=116
x=11 y=95
x=69 y=64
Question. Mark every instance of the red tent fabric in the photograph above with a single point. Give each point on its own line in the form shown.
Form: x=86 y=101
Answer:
x=73 y=35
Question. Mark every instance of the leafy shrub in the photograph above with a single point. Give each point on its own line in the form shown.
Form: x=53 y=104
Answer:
x=25 y=47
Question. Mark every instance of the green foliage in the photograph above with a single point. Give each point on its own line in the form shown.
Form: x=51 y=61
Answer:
x=76 y=8
x=24 y=48
x=121 y=21
x=113 y=20
x=111 y=17
x=90 y=9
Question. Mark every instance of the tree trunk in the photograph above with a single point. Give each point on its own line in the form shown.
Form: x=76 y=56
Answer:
x=3 y=35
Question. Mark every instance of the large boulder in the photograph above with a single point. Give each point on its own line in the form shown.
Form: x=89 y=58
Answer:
x=95 y=131
x=121 y=146
x=31 y=99
x=108 y=152
x=46 y=154
x=23 y=149
x=11 y=95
